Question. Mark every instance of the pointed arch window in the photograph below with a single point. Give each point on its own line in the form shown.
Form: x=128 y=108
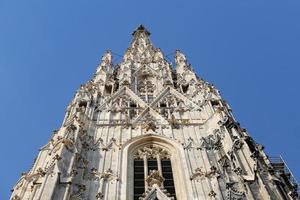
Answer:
x=152 y=168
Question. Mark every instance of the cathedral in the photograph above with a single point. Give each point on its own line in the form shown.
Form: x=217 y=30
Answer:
x=147 y=129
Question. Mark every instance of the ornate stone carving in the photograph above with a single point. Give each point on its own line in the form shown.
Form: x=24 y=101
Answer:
x=224 y=161
x=189 y=143
x=16 y=197
x=173 y=122
x=199 y=174
x=100 y=195
x=211 y=142
x=108 y=175
x=154 y=178
x=212 y=194
x=151 y=151
x=156 y=193
x=237 y=144
x=78 y=192
x=87 y=90
x=238 y=171
x=99 y=144
x=233 y=193
x=106 y=62
x=81 y=161
x=181 y=108
x=180 y=59
x=150 y=125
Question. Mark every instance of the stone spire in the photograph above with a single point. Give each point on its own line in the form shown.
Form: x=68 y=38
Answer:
x=141 y=48
x=103 y=78
x=181 y=62
x=141 y=130
x=106 y=63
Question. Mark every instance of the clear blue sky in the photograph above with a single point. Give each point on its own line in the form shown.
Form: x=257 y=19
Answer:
x=249 y=49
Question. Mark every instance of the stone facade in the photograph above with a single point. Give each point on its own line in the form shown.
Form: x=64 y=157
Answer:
x=143 y=109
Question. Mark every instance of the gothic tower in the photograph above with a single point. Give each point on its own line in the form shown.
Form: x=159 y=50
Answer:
x=143 y=130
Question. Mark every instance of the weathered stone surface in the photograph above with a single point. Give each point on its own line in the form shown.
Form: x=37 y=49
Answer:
x=143 y=109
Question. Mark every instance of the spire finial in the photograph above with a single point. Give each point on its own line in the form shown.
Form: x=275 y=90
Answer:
x=139 y=29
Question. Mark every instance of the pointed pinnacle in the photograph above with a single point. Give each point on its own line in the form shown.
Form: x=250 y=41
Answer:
x=140 y=29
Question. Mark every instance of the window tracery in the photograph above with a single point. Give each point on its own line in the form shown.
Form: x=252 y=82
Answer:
x=146 y=90
x=152 y=168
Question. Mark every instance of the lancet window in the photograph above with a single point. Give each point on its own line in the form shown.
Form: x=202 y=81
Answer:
x=152 y=166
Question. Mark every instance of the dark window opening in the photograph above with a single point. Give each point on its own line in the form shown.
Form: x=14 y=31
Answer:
x=184 y=88
x=152 y=165
x=161 y=164
x=251 y=144
x=163 y=105
x=83 y=104
x=108 y=89
x=117 y=87
x=174 y=77
x=168 y=175
x=132 y=105
x=215 y=103
x=138 y=176
x=132 y=110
